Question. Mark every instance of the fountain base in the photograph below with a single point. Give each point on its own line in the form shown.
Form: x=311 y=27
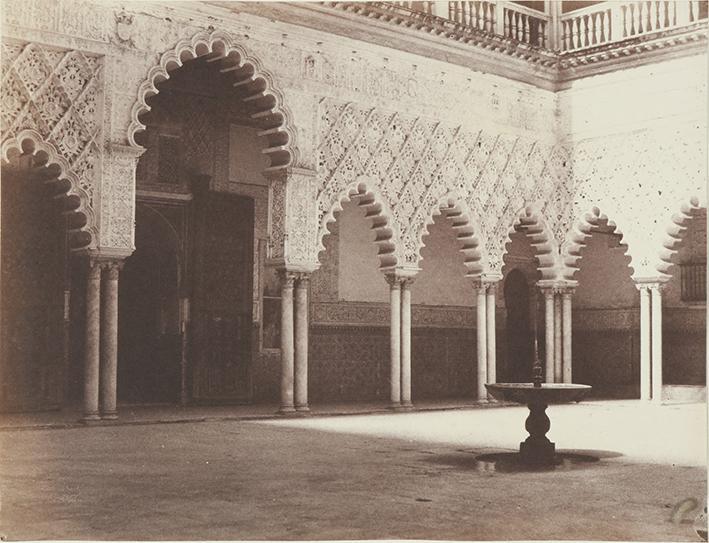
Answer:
x=537 y=449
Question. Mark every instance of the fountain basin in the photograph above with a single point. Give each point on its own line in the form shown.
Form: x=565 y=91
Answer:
x=548 y=393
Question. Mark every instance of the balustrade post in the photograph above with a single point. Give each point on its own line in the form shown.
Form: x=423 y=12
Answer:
x=499 y=18
x=440 y=9
x=682 y=13
x=616 y=30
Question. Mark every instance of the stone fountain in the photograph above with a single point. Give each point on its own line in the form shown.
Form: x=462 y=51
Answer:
x=537 y=449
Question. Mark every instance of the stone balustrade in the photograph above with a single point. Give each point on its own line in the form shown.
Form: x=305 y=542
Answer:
x=602 y=23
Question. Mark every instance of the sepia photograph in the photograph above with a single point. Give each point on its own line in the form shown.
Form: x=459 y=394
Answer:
x=353 y=271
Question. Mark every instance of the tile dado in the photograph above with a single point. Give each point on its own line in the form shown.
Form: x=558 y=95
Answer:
x=377 y=314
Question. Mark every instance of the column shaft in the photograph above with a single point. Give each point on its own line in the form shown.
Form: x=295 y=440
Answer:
x=395 y=341
x=557 y=339
x=92 y=347
x=301 y=344
x=491 y=340
x=645 y=344
x=656 y=349
x=109 y=341
x=549 y=335
x=405 y=344
x=567 y=331
x=287 y=344
x=481 y=323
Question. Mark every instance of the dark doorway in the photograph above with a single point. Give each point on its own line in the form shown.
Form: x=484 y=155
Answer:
x=519 y=330
x=149 y=369
x=222 y=302
x=33 y=328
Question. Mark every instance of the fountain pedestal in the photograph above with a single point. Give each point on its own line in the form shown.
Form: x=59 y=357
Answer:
x=537 y=449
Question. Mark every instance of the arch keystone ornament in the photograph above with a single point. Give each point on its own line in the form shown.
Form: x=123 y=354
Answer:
x=255 y=84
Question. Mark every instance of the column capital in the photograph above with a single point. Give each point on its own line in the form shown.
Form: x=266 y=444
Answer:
x=112 y=266
x=653 y=283
x=287 y=278
x=393 y=281
x=301 y=279
x=480 y=284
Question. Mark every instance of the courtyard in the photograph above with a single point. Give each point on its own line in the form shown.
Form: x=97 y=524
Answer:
x=386 y=476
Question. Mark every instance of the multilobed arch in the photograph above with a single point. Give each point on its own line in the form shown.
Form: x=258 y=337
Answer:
x=55 y=169
x=531 y=221
x=679 y=223
x=365 y=195
x=577 y=239
x=251 y=82
x=466 y=228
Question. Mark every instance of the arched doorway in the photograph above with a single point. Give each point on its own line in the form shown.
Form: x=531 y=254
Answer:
x=149 y=369
x=35 y=344
x=518 y=329
x=188 y=290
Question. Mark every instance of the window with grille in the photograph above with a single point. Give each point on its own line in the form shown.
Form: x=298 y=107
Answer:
x=694 y=281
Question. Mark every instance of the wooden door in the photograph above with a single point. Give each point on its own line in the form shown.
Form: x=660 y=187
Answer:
x=221 y=320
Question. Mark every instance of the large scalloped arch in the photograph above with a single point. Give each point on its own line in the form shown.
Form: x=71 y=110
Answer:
x=467 y=229
x=220 y=45
x=576 y=240
x=31 y=141
x=541 y=237
x=377 y=210
x=675 y=230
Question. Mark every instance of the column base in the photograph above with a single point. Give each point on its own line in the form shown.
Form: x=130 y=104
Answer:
x=90 y=418
x=405 y=406
x=111 y=415
x=302 y=409
x=286 y=410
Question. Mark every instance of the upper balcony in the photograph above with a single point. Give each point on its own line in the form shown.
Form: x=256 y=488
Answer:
x=560 y=26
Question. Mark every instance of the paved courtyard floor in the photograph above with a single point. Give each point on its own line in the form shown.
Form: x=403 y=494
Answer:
x=390 y=476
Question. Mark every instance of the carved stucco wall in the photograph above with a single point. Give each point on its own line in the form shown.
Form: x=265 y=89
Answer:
x=58 y=95
x=415 y=162
x=342 y=94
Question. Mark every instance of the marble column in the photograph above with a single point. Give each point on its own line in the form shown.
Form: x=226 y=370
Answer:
x=557 y=338
x=406 y=342
x=645 y=343
x=92 y=346
x=490 y=327
x=549 y=334
x=395 y=340
x=567 y=325
x=287 y=343
x=301 y=342
x=481 y=323
x=656 y=335
x=109 y=340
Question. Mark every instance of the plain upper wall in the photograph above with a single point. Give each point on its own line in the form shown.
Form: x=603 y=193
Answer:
x=669 y=92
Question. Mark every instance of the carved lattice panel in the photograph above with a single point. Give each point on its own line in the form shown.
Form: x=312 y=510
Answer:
x=59 y=95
